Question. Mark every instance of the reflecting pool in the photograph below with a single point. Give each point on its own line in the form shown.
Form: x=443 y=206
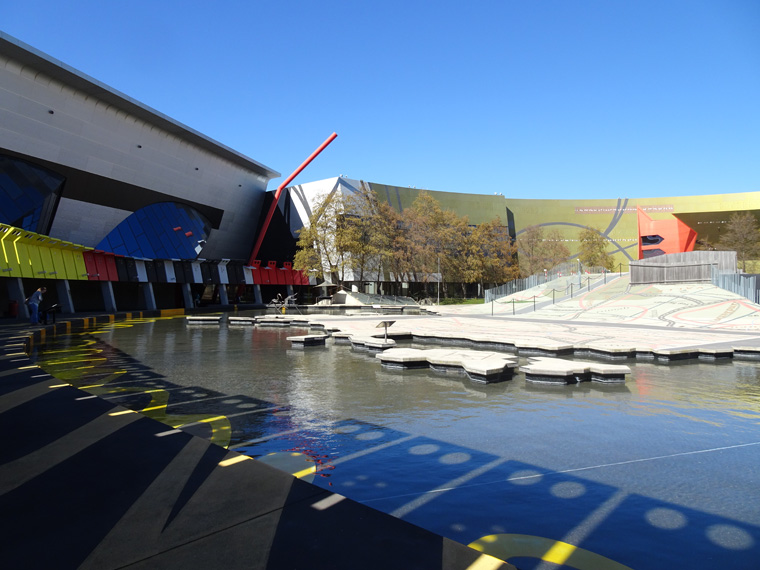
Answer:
x=659 y=472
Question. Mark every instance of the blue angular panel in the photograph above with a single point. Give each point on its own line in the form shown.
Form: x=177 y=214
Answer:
x=150 y=232
x=24 y=189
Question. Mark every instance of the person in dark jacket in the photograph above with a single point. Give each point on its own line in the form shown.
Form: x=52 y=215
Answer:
x=33 y=301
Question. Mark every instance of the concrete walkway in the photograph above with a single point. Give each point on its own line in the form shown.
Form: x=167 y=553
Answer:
x=88 y=484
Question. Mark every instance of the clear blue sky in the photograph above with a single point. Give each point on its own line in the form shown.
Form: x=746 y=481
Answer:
x=529 y=98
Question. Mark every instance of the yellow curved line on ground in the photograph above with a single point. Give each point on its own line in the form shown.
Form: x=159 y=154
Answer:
x=506 y=546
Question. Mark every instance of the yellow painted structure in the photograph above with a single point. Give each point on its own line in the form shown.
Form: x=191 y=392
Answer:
x=32 y=255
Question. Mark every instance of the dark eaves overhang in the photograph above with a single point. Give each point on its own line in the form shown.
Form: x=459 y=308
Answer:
x=43 y=63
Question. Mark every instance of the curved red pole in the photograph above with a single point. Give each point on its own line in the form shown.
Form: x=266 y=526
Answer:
x=280 y=188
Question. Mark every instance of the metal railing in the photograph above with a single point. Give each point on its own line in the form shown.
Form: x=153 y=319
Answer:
x=739 y=283
x=563 y=270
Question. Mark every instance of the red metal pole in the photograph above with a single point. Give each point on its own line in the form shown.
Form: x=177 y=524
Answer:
x=279 y=190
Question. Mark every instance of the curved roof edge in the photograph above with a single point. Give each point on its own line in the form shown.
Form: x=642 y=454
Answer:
x=58 y=70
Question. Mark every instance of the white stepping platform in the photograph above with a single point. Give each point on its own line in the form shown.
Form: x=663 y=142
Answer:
x=198 y=320
x=241 y=321
x=480 y=366
x=559 y=371
x=308 y=340
x=372 y=343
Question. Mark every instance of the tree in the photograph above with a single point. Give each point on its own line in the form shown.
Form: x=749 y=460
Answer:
x=529 y=246
x=554 y=249
x=436 y=240
x=360 y=235
x=742 y=236
x=593 y=249
x=491 y=255
x=539 y=252
x=320 y=243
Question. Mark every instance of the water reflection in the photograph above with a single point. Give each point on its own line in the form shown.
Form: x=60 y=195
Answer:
x=661 y=464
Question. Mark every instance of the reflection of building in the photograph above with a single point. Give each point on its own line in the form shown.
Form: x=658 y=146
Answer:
x=83 y=163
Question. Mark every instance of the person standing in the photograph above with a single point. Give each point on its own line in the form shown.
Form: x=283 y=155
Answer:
x=33 y=301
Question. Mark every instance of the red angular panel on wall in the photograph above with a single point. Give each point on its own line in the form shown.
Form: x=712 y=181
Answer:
x=666 y=236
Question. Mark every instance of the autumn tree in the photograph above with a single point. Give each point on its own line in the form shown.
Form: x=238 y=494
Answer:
x=529 y=244
x=436 y=240
x=320 y=243
x=554 y=249
x=741 y=235
x=491 y=255
x=361 y=236
x=593 y=249
x=538 y=252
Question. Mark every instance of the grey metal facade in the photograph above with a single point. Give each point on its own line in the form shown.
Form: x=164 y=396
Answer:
x=118 y=156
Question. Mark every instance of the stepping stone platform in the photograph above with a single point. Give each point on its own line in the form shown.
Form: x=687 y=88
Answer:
x=479 y=366
x=241 y=321
x=197 y=320
x=559 y=371
x=372 y=343
x=308 y=340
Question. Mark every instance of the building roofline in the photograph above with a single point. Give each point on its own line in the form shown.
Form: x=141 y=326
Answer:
x=29 y=56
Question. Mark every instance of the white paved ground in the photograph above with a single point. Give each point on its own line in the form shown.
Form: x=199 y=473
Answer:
x=611 y=315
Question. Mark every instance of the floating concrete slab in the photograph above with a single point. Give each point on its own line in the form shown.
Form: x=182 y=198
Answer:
x=198 y=320
x=559 y=371
x=372 y=343
x=713 y=354
x=273 y=321
x=241 y=321
x=308 y=340
x=479 y=366
x=673 y=355
x=342 y=337
x=403 y=358
x=607 y=351
x=746 y=353
x=543 y=348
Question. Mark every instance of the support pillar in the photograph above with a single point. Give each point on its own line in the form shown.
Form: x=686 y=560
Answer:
x=289 y=290
x=16 y=293
x=149 y=299
x=223 y=298
x=64 y=296
x=109 y=301
x=257 y=294
x=187 y=296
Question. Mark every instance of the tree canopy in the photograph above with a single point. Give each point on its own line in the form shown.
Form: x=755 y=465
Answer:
x=359 y=234
x=538 y=251
x=593 y=249
x=741 y=235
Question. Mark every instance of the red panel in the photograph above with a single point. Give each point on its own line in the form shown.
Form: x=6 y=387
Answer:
x=256 y=273
x=676 y=236
x=280 y=273
x=102 y=268
x=113 y=275
x=89 y=263
x=266 y=276
x=288 y=276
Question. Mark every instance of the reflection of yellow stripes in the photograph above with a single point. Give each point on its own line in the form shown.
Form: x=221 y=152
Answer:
x=506 y=546
x=66 y=369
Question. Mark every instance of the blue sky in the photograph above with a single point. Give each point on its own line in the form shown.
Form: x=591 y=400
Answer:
x=531 y=99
